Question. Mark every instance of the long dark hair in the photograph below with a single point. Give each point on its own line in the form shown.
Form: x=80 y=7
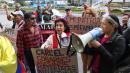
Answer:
x=67 y=28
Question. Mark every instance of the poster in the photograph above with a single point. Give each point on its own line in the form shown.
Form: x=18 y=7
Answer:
x=11 y=34
x=47 y=28
x=82 y=25
x=54 y=61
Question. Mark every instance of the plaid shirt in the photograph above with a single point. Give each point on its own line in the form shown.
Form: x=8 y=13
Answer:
x=27 y=40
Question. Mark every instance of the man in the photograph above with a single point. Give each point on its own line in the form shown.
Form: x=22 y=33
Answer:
x=18 y=18
x=39 y=14
x=125 y=19
x=68 y=13
x=28 y=37
x=10 y=17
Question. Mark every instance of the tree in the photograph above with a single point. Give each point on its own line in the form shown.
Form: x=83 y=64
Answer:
x=69 y=1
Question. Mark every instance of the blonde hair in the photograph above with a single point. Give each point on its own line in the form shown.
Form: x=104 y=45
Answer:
x=91 y=12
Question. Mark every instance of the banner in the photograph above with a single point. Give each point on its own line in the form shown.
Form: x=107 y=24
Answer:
x=11 y=34
x=54 y=61
x=47 y=28
x=82 y=25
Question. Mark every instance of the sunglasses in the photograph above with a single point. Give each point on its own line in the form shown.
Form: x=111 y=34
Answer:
x=33 y=18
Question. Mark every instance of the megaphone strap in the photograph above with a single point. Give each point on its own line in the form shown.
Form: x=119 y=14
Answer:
x=70 y=52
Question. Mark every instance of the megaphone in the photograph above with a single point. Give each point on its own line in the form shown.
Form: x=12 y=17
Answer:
x=79 y=41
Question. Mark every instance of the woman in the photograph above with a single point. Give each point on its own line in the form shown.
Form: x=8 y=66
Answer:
x=61 y=36
x=88 y=11
x=29 y=36
x=109 y=49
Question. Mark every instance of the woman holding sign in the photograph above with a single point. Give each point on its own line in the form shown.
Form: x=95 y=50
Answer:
x=109 y=49
x=60 y=38
x=88 y=12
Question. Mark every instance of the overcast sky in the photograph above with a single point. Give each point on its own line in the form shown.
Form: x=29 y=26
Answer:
x=121 y=0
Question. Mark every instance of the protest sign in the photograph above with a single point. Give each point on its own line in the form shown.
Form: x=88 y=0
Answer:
x=11 y=34
x=82 y=25
x=47 y=28
x=54 y=61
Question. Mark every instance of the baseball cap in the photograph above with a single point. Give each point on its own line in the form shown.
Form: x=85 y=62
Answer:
x=68 y=9
x=18 y=13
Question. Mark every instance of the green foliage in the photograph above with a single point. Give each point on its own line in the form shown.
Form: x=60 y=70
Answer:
x=23 y=4
x=10 y=5
x=127 y=11
x=69 y=1
x=117 y=11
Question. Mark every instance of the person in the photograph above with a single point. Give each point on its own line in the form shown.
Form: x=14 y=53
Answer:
x=10 y=17
x=47 y=12
x=88 y=11
x=39 y=14
x=48 y=6
x=60 y=38
x=125 y=19
x=123 y=65
x=109 y=49
x=68 y=13
x=8 y=59
x=28 y=37
x=18 y=18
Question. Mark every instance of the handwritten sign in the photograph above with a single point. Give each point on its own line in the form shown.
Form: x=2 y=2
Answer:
x=54 y=61
x=11 y=34
x=82 y=25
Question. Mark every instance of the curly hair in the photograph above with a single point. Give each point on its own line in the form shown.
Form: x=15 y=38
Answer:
x=67 y=28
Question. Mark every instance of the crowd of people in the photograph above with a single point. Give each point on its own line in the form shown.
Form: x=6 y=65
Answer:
x=110 y=53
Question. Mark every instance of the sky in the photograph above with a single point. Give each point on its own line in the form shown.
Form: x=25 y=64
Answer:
x=120 y=0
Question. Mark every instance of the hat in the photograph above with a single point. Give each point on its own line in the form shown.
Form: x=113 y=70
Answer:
x=18 y=13
x=67 y=9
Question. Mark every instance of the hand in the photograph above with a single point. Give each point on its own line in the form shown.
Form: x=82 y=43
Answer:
x=50 y=47
x=94 y=44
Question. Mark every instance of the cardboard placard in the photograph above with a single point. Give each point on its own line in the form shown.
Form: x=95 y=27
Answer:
x=47 y=28
x=54 y=61
x=11 y=34
x=82 y=25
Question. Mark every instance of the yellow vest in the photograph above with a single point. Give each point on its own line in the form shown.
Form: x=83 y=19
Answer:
x=8 y=60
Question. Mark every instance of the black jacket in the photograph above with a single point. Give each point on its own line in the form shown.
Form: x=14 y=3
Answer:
x=110 y=52
x=125 y=60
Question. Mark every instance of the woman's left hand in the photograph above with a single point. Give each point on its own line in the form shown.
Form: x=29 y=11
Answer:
x=94 y=44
